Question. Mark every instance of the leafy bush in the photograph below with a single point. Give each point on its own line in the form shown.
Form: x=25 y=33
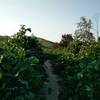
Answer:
x=21 y=75
x=78 y=67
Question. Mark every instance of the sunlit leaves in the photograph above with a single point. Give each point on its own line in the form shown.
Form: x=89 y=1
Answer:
x=21 y=77
x=78 y=66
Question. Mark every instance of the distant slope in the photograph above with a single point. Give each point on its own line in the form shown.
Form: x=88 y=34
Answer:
x=45 y=43
x=4 y=38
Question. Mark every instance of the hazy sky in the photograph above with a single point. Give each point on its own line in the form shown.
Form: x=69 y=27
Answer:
x=48 y=18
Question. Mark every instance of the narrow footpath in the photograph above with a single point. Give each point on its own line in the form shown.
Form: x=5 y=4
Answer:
x=52 y=81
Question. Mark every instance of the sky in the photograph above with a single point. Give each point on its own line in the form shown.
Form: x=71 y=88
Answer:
x=48 y=19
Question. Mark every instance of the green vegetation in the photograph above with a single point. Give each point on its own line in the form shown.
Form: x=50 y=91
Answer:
x=45 y=43
x=75 y=60
x=21 y=74
x=78 y=67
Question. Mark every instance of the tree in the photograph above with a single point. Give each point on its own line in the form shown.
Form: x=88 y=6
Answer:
x=29 y=43
x=96 y=17
x=66 y=39
x=83 y=32
x=21 y=74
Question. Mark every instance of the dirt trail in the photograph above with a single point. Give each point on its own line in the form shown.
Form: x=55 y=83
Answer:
x=52 y=81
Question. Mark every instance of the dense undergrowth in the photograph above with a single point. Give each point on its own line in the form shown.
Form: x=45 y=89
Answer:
x=78 y=68
x=21 y=73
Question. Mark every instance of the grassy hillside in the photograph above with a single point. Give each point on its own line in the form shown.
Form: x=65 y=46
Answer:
x=2 y=39
x=46 y=43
